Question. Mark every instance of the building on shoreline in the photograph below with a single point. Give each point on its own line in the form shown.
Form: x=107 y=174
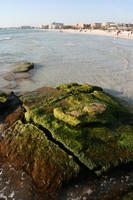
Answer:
x=131 y=25
x=96 y=25
x=116 y=26
x=82 y=26
x=26 y=27
x=124 y=27
x=55 y=25
x=68 y=27
x=44 y=26
x=109 y=26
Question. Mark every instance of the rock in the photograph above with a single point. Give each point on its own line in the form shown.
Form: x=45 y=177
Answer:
x=3 y=98
x=16 y=184
x=53 y=133
x=23 y=67
x=10 y=110
x=38 y=97
x=28 y=148
x=91 y=124
x=11 y=86
x=11 y=118
x=10 y=76
x=128 y=196
x=95 y=108
x=17 y=76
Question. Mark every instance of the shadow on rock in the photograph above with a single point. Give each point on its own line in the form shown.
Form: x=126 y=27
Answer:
x=10 y=110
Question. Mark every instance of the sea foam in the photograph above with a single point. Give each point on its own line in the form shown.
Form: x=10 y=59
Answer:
x=6 y=38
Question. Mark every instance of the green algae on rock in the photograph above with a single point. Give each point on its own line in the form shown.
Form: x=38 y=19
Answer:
x=88 y=122
x=38 y=97
x=27 y=147
x=3 y=97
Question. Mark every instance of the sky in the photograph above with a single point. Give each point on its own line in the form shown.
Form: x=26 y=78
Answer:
x=37 y=12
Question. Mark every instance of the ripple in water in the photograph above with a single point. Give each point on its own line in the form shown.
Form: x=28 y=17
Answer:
x=66 y=57
x=6 y=38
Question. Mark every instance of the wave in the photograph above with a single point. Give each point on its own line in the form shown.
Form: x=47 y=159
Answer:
x=69 y=44
x=6 y=38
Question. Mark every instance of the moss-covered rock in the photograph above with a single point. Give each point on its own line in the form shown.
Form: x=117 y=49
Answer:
x=39 y=97
x=93 y=125
x=3 y=98
x=28 y=148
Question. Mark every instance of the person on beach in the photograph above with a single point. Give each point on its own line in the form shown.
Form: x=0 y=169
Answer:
x=118 y=32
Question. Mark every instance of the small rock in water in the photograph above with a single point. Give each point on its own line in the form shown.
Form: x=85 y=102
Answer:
x=23 y=67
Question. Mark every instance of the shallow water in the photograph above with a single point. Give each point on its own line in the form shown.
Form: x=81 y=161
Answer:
x=65 y=57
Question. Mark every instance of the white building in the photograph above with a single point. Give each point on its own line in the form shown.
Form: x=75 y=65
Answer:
x=116 y=26
x=55 y=25
x=109 y=25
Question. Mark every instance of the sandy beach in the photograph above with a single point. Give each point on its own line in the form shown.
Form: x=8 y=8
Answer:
x=123 y=34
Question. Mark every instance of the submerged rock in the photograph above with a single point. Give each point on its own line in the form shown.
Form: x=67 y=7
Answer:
x=23 y=67
x=17 y=76
x=19 y=73
x=91 y=124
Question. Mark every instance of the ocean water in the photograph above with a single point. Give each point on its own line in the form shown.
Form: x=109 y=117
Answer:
x=66 y=57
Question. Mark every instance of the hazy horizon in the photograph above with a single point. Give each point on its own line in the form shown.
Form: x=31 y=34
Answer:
x=36 y=12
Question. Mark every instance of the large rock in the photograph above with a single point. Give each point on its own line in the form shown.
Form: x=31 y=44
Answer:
x=91 y=124
x=28 y=148
x=52 y=133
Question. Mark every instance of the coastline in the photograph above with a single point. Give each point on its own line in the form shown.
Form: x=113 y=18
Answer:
x=123 y=35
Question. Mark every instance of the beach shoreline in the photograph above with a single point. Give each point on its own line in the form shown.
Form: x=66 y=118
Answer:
x=123 y=34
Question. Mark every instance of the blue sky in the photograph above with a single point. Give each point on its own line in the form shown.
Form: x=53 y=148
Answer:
x=36 y=12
